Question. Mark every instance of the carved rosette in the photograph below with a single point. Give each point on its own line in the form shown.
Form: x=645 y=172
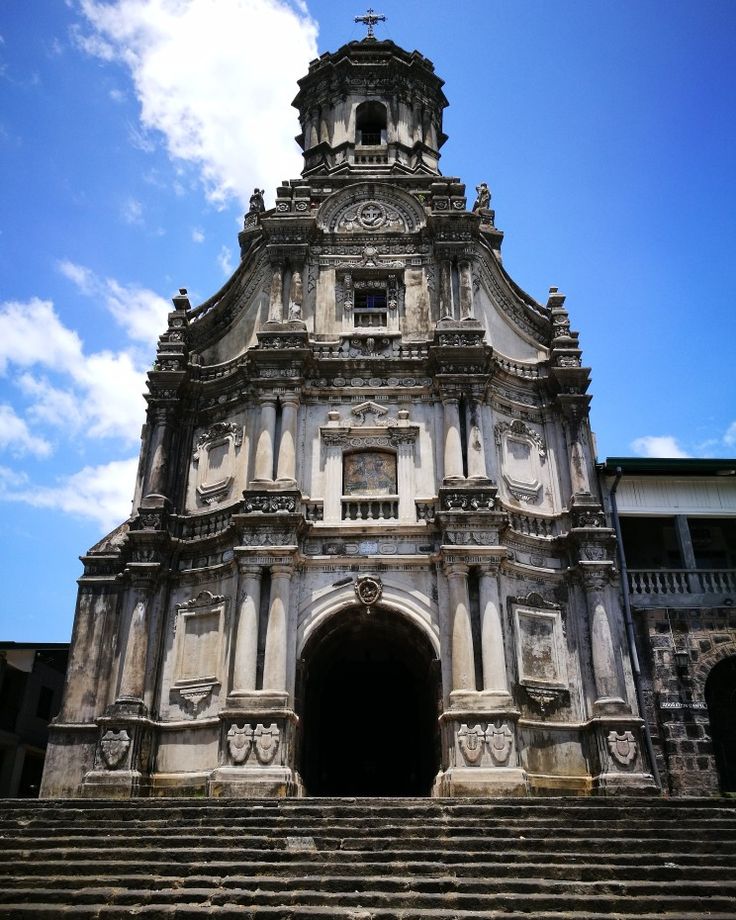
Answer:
x=114 y=747
x=622 y=746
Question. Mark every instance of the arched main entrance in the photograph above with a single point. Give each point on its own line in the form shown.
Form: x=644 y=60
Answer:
x=720 y=695
x=368 y=707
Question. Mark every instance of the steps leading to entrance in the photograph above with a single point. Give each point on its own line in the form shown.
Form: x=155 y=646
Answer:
x=371 y=859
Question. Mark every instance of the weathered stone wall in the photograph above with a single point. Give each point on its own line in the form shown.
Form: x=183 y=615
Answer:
x=675 y=697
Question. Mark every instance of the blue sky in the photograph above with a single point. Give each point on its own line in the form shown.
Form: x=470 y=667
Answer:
x=131 y=133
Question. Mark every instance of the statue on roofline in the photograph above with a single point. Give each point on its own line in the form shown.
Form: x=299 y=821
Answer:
x=483 y=199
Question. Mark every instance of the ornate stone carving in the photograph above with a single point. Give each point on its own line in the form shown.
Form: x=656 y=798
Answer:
x=471 y=740
x=546 y=699
x=500 y=739
x=268 y=503
x=266 y=741
x=497 y=737
x=239 y=743
x=622 y=747
x=368 y=590
x=215 y=478
x=471 y=500
x=520 y=428
x=114 y=747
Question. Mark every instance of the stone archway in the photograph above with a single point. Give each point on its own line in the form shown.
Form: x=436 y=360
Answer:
x=720 y=695
x=368 y=705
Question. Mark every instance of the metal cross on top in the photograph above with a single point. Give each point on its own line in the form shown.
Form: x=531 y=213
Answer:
x=370 y=19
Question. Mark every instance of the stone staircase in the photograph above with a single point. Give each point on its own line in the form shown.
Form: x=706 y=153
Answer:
x=369 y=859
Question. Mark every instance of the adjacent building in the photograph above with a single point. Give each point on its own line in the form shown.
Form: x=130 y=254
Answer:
x=677 y=522
x=31 y=685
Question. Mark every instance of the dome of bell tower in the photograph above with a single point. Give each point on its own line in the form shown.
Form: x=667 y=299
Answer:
x=371 y=107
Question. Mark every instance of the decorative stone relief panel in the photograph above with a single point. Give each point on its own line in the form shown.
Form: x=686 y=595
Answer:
x=368 y=208
x=262 y=742
x=622 y=747
x=541 y=655
x=199 y=642
x=214 y=460
x=485 y=745
x=522 y=454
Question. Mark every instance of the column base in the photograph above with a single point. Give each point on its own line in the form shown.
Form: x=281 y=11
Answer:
x=114 y=784
x=258 y=701
x=625 y=784
x=481 y=782
x=611 y=706
x=250 y=782
x=486 y=701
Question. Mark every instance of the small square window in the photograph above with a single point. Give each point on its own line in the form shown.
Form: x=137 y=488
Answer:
x=370 y=308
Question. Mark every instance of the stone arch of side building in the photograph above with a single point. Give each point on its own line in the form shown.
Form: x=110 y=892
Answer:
x=714 y=680
x=368 y=694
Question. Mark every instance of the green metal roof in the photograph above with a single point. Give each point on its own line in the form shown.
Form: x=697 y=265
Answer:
x=676 y=466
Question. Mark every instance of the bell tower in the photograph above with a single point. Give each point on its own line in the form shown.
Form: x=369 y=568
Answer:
x=371 y=107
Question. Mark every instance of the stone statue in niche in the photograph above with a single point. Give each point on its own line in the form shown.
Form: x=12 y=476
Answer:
x=296 y=296
x=483 y=197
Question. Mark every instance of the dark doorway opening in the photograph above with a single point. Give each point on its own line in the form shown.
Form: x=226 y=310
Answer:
x=720 y=695
x=369 y=695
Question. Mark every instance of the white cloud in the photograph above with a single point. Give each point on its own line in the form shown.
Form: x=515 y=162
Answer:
x=99 y=393
x=729 y=438
x=16 y=437
x=658 y=446
x=99 y=493
x=225 y=260
x=32 y=333
x=140 y=311
x=225 y=111
x=132 y=212
x=197 y=235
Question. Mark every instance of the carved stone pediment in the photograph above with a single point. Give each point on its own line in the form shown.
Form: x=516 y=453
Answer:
x=368 y=208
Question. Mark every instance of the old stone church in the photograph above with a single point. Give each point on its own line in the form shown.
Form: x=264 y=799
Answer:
x=368 y=554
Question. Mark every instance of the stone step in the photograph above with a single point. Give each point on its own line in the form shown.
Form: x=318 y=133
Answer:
x=233 y=912
x=240 y=848
x=236 y=834
x=358 y=860
x=161 y=874
x=370 y=885
x=606 y=902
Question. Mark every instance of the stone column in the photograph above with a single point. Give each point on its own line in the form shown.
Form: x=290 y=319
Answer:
x=404 y=441
x=264 y=446
x=463 y=660
x=495 y=677
x=453 y=451
x=156 y=481
x=132 y=680
x=286 y=469
x=476 y=449
x=605 y=672
x=246 y=639
x=332 y=508
x=276 y=301
x=274 y=663
x=466 y=290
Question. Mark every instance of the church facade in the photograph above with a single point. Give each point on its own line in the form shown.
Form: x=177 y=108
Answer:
x=368 y=553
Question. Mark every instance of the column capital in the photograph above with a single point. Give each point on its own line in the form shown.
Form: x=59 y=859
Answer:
x=246 y=567
x=453 y=569
x=283 y=570
x=290 y=398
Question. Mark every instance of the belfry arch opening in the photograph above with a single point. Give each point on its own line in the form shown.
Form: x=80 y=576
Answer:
x=368 y=706
x=370 y=124
x=720 y=695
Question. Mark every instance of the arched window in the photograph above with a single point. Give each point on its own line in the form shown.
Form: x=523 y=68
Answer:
x=370 y=124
